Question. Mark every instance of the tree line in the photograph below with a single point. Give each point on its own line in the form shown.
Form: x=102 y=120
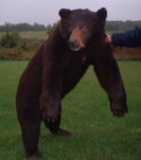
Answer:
x=9 y=27
x=110 y=26
x=121 y=25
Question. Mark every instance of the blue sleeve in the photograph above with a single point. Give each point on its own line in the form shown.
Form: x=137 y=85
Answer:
x=129 y=38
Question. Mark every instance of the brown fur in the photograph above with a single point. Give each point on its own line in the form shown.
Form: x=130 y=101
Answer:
x=57 y=67
x=77 y=34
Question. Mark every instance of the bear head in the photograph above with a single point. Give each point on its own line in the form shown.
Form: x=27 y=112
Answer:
x=79 y=27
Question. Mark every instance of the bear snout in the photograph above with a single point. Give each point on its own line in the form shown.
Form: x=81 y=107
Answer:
x=73 y=44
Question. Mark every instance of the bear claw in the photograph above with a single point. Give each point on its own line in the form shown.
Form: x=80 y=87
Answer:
x=62 y=132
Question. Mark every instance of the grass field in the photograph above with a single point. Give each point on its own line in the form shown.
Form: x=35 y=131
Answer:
x=34 y=34
x=31 y=34
x=96 y=134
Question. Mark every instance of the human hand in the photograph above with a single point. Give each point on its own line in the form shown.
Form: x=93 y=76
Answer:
x=108 y=38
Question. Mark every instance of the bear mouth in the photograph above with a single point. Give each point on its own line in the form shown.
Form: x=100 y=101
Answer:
x=75 y=48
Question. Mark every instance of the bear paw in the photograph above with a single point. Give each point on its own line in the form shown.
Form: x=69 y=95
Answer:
x=33 y=155
x=51 y=114
x=119 y=109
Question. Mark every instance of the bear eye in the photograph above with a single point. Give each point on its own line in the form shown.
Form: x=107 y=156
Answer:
x=84 y=29
x=70 y=29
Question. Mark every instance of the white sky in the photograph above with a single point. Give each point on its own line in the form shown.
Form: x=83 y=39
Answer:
x=46 y=11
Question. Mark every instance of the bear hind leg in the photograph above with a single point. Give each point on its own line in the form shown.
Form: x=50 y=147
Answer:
x=30 y=135
x=30 y=127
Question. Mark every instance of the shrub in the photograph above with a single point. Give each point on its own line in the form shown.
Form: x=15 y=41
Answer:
x=10 y=40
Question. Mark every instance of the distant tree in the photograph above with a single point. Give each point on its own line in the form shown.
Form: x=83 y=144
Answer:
x=121 y=25
x=50 y=28
x=38 y=27
x=9 y=27
x=110 y=25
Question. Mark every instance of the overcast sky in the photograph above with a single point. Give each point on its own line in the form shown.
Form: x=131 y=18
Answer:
x=46 y=11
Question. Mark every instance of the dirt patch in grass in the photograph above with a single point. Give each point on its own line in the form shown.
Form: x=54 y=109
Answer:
x=127 y=53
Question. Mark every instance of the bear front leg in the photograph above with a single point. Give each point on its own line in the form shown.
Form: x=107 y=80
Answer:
x=108 y=74
x=51 y=91
x=54 y=127
x=49 y=107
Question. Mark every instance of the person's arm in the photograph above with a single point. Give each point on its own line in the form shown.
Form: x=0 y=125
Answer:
x=128 y=38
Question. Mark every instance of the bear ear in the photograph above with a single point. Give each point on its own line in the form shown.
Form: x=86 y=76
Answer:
x=64 y=13
x=102 y=13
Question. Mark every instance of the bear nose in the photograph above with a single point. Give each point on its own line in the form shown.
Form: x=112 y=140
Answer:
x=73 y=43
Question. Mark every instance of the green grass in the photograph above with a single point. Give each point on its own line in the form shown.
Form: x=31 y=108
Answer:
x=31 y=34
x=96 y=134
x=34 y=34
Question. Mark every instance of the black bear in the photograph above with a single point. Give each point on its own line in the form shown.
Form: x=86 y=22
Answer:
x=77 y=42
